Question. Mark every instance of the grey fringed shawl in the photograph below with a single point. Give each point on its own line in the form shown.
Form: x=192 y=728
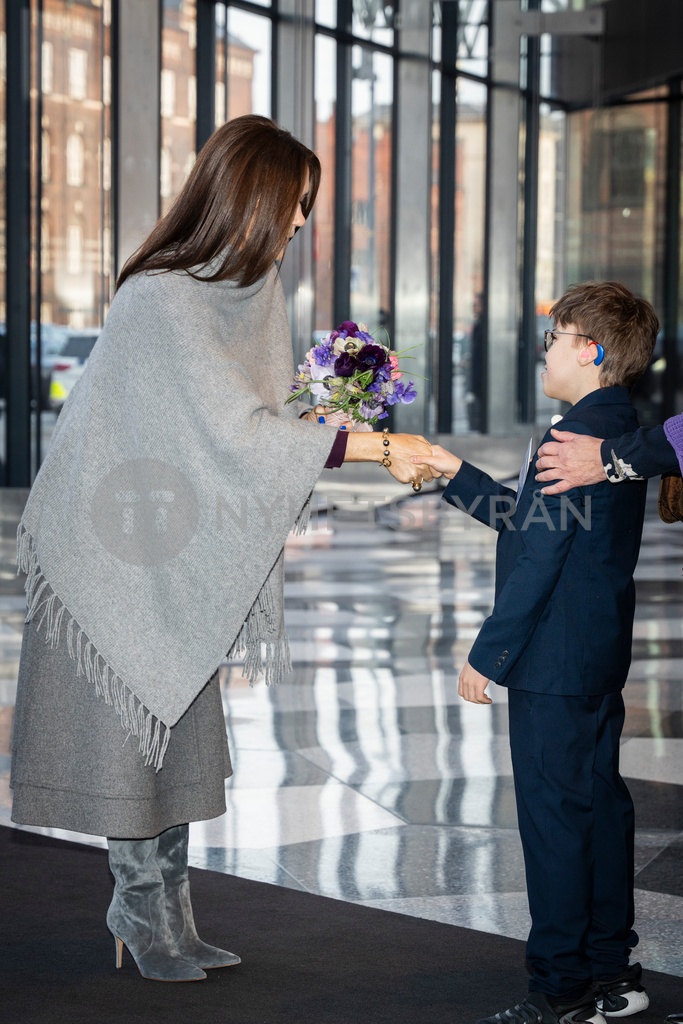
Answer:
x=153 y=536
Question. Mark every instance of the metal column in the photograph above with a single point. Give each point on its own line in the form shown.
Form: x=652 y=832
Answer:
x=295 y=38
x=526 y=363
x=413 y=213
x=447 y=150
x=503 y=204
x=206 y=70
x=18 y=240
x=341 y=299
x=138 y=143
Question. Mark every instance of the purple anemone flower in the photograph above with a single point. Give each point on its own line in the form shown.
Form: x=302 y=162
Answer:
x=349 y=326
x=371 y=357
x=345 y=365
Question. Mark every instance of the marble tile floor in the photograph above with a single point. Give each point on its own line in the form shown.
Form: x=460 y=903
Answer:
x=364 y=777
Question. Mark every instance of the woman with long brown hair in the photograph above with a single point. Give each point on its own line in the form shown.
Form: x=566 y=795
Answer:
x=153 y=536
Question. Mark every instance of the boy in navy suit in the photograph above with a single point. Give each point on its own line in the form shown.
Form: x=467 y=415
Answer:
x=559 y=637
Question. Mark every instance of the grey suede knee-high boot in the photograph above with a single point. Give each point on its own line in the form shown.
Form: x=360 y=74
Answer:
x=137 y=914
x=172 y=859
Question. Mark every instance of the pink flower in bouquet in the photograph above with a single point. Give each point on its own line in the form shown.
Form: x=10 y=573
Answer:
x=393 y=361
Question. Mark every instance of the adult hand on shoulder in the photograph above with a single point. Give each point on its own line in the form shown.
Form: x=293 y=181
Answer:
x=472 y=685
x=572 y=460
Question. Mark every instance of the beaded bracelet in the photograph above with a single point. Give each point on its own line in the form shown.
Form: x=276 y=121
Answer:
x=386 y=461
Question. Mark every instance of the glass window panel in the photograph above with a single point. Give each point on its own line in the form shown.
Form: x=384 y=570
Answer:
x=434 y=209
x=372 y=100
x=473 y=36
x=167 y=93
x=48 y=66
x=551 y=273
x=220 y=96
x=615 y=209
x=546 y=66
x=72 y=190
x=249 y=64
x=45 y=162
x=178 y=96
x=78 y=73
x=436 y=32
x=323 y=211
x=374 y=19
x=106 y=80
x=74 y=249
x=469 y=340
x=326 y=12
x=243 y=63
x=75 y=160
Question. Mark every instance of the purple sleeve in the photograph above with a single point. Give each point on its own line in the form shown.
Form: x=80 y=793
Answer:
x=673 y=428
x=338 y=450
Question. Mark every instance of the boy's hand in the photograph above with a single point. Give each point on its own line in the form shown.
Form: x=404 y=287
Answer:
x=442 y=463
x=472 y=686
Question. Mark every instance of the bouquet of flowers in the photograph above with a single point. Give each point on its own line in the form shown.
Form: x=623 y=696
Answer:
x=350 y=372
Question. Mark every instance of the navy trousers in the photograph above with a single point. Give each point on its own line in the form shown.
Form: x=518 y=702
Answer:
x=576 y=822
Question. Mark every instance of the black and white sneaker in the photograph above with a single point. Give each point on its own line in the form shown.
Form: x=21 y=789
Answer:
x=536 y=1009
x=622 y=996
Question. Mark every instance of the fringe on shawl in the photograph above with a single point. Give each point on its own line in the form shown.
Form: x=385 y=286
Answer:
x=270 y=658
x=261 y=622
x=301 y=524
x=153 y=736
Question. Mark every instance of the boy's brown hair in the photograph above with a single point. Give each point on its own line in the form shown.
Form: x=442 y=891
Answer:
x=625 y=326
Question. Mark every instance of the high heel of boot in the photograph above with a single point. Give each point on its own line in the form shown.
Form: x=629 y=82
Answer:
x=156 y=955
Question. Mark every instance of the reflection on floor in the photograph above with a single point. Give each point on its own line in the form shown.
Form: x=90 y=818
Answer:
x=364 y=777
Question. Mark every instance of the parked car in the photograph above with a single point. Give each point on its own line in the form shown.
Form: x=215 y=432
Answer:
x=70 y=363
x=53 y=338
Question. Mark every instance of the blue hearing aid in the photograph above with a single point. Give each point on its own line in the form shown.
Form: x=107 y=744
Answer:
x=600 y=353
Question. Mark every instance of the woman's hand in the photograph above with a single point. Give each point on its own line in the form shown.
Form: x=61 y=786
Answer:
x=333 y=418
x=363 y=447
x=402 y=449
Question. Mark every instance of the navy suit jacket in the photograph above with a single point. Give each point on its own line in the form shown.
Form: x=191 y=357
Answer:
x=565 y=598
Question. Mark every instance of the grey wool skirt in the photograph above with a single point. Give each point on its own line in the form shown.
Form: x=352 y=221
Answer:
x=73 y=768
